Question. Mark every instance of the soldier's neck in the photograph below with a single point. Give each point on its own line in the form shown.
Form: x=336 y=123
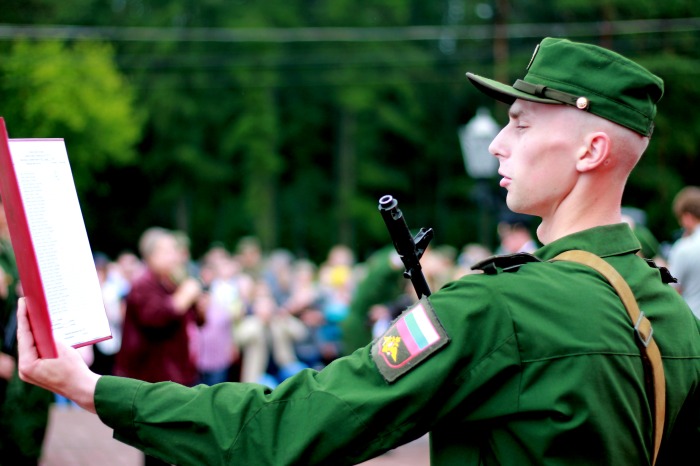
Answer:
x=551 y=229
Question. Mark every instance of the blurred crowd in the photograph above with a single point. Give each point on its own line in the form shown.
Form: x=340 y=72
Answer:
x=246 y=315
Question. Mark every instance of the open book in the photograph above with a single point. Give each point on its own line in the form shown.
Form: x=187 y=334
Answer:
x=55 y=263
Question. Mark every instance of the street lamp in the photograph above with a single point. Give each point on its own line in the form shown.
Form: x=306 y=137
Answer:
x=474 y=138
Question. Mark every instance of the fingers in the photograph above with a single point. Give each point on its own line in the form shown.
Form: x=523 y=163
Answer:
x=26 y=349
x=7 y=366
x=66 y=375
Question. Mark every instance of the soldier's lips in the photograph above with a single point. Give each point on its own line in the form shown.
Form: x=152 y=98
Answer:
x=505 y=182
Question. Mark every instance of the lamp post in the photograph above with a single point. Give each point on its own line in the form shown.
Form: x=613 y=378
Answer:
x=474 y=138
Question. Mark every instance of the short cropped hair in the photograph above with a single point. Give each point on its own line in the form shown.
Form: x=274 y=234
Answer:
x=687 y=201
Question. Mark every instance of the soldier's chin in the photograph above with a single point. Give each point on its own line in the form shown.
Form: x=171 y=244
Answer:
x=514 y=205
x=518 y=207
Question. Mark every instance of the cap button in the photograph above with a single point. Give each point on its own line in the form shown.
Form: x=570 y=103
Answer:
x=582 y=103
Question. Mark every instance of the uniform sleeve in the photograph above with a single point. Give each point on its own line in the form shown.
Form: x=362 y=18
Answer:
x=344 y=414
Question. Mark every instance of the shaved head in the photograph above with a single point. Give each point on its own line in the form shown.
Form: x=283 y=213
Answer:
x=627 y=146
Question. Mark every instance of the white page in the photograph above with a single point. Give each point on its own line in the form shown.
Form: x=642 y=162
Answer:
x=60 y=240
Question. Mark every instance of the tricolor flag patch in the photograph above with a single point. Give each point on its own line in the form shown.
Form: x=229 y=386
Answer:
x=414 y=336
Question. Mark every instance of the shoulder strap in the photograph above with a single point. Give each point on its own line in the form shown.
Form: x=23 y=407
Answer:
x=650 y=351
x=507 y=263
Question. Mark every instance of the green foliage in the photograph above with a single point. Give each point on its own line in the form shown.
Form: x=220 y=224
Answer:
x=51 y=89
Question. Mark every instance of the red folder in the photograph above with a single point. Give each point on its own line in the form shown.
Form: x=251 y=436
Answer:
x=26 y=254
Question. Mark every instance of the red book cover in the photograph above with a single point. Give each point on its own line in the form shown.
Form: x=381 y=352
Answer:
x=47 y=231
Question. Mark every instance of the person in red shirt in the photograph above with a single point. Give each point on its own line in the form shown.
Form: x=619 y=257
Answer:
x=162 y=307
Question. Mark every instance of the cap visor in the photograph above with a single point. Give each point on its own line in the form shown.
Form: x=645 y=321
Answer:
x=504 y=92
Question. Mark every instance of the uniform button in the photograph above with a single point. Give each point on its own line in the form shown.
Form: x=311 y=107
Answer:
x=582 y=103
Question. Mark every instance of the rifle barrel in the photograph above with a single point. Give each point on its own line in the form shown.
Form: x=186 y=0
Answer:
x=404 y=243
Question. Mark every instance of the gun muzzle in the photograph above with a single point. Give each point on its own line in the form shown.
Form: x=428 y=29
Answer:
x=396 y=224
x=410 y=249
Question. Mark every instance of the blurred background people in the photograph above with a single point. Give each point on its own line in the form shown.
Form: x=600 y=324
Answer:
x=306 y=302
x=514 y=232
x=161 y=307
x=684 y=256
x=471 y=254
x=380 y=281
x=249 y=255
x=216 y=350
x=336 y=274
x=637 y=219
x=160 y=304
x=277 y=274
x=113 y=299
x=267 y=337
x=125 y=269
x=382 y=315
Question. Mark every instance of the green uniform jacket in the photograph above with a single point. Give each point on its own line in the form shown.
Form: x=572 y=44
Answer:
x=542 y=367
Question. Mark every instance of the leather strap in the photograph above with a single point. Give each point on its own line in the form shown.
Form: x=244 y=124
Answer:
x=654 y=368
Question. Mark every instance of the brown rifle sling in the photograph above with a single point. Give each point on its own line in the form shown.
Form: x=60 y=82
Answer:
x=650 y=351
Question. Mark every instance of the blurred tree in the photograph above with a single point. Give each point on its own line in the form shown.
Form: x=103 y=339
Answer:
x=50 y=89
x=288 y=119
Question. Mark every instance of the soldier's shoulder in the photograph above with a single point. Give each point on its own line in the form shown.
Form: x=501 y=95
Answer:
x=499 y=275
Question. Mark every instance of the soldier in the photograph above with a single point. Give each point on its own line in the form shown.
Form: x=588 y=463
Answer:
x=540 y=360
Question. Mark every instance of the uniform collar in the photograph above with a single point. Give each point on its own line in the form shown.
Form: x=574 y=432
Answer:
x=603 y=241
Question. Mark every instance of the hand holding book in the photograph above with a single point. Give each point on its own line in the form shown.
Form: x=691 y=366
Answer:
x=67 y=374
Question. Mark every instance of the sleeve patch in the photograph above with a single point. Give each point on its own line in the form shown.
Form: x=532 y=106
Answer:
x=411 y=339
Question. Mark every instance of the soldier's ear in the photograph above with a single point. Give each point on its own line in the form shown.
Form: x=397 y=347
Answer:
x=595 y=151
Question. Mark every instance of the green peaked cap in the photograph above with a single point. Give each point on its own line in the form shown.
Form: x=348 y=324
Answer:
x=588 y=77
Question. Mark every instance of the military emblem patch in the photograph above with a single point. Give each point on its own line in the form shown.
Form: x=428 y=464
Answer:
x=414 y=336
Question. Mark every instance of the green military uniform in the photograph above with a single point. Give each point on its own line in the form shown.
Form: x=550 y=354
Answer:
x=537 y=364
x=24 y=408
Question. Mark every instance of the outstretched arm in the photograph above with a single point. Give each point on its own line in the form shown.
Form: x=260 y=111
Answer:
x=67 y=375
